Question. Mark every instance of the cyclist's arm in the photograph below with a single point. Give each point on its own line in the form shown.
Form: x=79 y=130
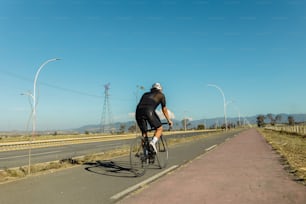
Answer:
x=165 y=112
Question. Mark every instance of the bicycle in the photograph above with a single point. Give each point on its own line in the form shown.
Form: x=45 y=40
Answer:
x=142 y=154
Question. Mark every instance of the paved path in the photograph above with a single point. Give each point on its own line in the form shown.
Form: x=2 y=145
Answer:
x=243 y=170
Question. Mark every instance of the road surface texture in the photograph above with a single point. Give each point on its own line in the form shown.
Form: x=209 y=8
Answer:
x=243 y=170
x=101 y=181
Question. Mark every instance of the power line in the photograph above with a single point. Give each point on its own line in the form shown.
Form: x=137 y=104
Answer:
x=71 y=90
x=14 y=75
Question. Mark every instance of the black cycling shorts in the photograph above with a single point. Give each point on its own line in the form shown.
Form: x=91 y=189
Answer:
x=145 y=116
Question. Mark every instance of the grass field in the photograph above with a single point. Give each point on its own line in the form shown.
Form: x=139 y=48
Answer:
x=292 y=149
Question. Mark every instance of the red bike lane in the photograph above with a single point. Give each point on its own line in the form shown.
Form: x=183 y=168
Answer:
x=243 y=170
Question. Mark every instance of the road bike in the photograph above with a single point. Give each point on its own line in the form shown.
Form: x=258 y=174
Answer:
x=142 y=154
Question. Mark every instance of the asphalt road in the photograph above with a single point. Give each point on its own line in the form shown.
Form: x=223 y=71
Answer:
x=19 y=158
x=96 y=182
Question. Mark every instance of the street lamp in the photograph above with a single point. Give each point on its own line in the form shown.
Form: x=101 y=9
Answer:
x=34 y=103
x=224 y=102
x=34 y=92
x=185 y=120
x=239 y=116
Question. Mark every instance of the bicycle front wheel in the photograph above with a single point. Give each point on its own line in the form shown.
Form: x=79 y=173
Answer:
x=138 y=160
x=162 y=154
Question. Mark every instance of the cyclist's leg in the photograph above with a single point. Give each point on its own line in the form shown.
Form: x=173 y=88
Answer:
x=142 y=122
x=155 y=122
x=158 y=132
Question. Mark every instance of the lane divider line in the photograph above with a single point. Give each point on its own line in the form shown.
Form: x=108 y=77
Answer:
x=210 y=148
x=141 y=184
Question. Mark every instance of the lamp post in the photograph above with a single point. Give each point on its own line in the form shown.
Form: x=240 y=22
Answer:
x=185 y=120
x=224 y=103
x=34 y=92
x=34 y=104
x=239 y=116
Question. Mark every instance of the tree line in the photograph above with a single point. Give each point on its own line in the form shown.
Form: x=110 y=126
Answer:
x=273 y=119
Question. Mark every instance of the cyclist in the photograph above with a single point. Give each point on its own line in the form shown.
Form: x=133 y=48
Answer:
x=145 y=112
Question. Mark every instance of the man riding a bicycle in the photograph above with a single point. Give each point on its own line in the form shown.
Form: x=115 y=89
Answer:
x=145 y=113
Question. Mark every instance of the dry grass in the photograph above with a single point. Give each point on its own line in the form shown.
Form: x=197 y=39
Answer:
x=292 y=149
x=41 y=137
x=21 y=172
x=175 y=141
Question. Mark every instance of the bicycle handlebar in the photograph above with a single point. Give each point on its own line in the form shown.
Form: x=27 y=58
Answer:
x=169 y=126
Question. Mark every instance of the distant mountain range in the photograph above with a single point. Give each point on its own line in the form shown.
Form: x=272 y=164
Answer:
x=209 y=123
x=178 y=124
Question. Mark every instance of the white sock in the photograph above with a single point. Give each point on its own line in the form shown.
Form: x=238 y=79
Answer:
x=154 y=140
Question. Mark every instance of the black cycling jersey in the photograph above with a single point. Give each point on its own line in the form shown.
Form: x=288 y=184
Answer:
x=145 y=112
x=151 y=100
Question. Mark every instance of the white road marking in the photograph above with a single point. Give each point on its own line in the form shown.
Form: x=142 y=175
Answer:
x=210 y=148
x=139 y=185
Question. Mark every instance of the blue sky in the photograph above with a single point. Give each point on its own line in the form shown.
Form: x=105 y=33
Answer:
x=253 y=50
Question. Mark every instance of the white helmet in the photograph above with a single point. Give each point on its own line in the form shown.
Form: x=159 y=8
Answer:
x=157 y=86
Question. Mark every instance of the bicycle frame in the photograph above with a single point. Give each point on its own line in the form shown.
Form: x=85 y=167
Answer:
x=142 y=154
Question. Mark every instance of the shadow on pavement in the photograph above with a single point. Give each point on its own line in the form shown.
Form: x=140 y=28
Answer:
x=110 y=168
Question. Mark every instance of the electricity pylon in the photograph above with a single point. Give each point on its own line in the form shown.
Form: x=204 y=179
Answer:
x=106 y=118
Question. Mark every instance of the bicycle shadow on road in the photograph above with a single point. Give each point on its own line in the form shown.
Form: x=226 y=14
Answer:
x=110 y=168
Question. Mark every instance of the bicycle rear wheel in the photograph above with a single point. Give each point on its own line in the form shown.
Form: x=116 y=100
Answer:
x=162 y=154
x=138 y=160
